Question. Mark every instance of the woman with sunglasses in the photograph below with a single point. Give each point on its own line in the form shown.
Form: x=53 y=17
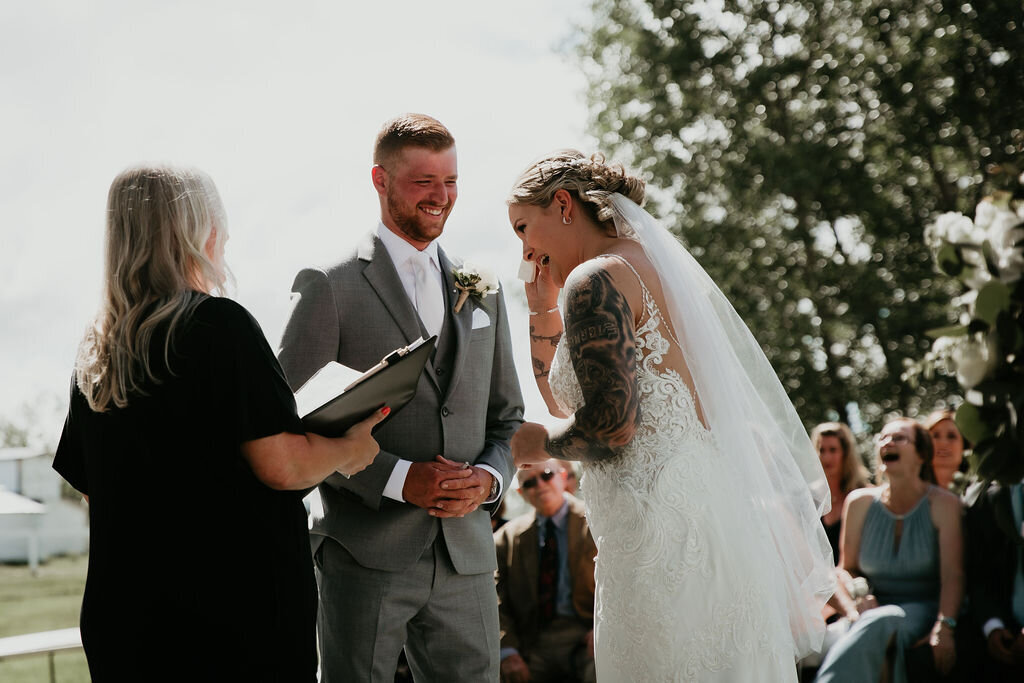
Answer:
x=905 y=538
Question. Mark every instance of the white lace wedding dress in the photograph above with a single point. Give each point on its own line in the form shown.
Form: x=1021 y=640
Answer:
x=680 y=593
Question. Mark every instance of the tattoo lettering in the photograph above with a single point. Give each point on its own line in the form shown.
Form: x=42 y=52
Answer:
x=602 y=330
x=602 y=345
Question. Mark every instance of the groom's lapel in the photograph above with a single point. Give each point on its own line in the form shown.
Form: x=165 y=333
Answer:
x=461 y=322
x=382 y=275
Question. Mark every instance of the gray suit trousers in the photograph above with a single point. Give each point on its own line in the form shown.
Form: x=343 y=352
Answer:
x=447 y=621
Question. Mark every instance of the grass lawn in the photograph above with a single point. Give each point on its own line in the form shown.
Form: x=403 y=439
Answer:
x=50 y=600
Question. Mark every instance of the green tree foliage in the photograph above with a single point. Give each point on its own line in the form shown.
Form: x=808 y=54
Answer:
x=13 y=434
x=36 y=422
x=802 y=147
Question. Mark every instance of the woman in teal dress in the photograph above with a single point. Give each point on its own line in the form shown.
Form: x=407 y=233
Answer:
x=905 y=538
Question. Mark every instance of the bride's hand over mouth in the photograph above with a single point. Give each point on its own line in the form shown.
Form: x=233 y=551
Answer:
x=542 y=292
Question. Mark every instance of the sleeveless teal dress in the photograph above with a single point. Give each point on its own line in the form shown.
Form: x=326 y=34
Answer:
x=905 y=580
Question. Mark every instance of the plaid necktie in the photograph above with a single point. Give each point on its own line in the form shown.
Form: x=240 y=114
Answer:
x=548 y=585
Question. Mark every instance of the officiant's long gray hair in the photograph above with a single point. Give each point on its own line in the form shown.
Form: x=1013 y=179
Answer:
x=159 y=221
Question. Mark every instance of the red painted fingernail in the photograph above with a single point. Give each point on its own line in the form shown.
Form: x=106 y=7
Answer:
x=385 y=410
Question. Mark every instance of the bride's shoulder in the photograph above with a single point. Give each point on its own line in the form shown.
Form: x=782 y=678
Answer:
x=607 y=270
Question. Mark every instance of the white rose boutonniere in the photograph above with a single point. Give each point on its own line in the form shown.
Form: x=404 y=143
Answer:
x=475 y=280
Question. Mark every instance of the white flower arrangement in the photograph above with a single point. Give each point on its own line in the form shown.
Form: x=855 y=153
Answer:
x=473 y=280
x=986 y=349
x=988 y=247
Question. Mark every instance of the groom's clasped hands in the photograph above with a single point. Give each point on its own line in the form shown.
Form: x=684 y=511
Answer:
x=446 y=488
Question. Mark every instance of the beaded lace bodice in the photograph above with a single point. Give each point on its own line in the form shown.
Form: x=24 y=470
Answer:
x=668 y=412
x=674 y=602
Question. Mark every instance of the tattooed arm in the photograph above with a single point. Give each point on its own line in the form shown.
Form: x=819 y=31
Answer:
x=545 y=331
x=602 y=344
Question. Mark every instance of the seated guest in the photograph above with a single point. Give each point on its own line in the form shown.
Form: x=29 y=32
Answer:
x=572 y=482
x=905 y=538
x=498 y=518
x=844 y=472
x=545 y=583
x=996 y=586
x=949 y=446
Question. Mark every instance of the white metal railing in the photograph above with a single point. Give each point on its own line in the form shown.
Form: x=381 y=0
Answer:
x=44 y=642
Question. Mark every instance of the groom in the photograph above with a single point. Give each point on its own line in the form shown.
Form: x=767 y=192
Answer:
x=404 y=553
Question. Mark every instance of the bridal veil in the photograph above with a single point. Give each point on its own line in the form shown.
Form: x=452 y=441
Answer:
x=765 y=448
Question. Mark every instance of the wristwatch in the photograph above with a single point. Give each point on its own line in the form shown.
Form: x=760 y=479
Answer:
x=948 y=621
x=494 y=488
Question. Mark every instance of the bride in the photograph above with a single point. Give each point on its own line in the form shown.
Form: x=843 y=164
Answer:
x=702 y=489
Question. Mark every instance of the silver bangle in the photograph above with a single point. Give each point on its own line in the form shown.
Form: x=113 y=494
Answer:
x=550 y=310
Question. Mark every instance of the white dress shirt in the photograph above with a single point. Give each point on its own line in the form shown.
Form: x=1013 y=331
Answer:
x=404 y=256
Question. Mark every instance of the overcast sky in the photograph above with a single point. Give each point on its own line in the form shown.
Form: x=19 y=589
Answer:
x=280 y=103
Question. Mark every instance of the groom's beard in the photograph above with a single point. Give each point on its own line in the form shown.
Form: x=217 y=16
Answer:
x=412 y=223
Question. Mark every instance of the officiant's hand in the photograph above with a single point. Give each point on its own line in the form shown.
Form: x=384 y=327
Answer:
x=423 y=483
x=358 y=445
x=464 y=495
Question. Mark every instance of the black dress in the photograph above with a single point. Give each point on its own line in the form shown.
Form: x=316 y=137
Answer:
x=832 y=532
x=197 y=570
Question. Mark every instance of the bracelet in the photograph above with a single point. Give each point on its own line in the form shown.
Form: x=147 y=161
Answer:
x=550 y=310
x=948 y=621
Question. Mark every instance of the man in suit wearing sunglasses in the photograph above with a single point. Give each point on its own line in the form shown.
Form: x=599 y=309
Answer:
x=545 y=583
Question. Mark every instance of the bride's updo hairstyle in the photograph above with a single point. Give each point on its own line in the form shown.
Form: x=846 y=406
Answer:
x=590 y=179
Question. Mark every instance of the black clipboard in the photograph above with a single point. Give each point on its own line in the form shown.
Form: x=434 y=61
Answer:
x=337 y=397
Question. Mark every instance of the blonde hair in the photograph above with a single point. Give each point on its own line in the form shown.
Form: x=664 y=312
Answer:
x=591 y=179
x=159 y=220
x=854 y=474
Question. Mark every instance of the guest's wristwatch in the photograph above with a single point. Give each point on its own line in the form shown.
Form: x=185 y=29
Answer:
x=494 y=488
x=948 y=621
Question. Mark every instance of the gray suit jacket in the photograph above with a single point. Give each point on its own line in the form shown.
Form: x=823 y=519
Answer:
x=354 y=312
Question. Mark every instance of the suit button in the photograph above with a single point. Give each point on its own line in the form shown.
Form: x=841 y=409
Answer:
x=445 y=412
x=439 y=371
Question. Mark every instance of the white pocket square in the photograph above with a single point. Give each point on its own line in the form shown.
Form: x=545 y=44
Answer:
x=480 y=318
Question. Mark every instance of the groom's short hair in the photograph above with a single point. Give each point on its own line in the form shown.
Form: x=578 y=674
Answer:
x=410 y=130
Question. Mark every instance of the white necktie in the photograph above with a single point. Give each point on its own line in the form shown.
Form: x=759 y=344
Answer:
x=429 y=299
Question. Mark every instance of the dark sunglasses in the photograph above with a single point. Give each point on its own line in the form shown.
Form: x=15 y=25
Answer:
x=546 y=475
